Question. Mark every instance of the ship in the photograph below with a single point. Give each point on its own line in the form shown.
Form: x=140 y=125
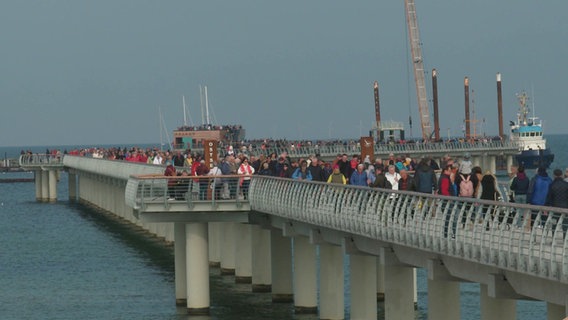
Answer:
x=528 y=134
x=189 y=136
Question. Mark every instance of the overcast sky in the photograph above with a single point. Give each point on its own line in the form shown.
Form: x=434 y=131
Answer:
x=96 y=72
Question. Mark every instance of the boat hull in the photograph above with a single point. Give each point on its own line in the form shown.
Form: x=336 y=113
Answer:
x=532 y=159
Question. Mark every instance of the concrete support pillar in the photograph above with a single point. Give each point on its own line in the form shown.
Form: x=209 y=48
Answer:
x=261 y=266
x=228 y=248
x=509 y=160
x=281 y=267
x=492 y=164
x=38 y=184
x=399 y=287
x=363 y=287
x=180 y=263
x=305 y=276
x=380 y=280
x=496 y=309
x=555 y=311
x=215 y=244
x=243 y=258
x=197 y=261
x=443 y=300
x=332 y=304
x=477 y=161
x=44 y=186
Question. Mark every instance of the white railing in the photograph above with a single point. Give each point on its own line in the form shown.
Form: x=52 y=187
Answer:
x=40 y=159
x=384 y=149
x=143 y=190
x=510 y=236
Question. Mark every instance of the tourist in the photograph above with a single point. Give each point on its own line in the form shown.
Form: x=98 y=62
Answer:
x=538 y=187
x=216 y=184
x=264 y=169
x=171 y=172
x=380 y=179
x=201 y=171
x=520 y=186
x=359 y=176
x=425 y=177
x=182 y=186
x=392 y=176
x=246 y=170
x=302 y=173
x=465 y=165
x=558 y=197
x=406 y=182
x=336 y=176
x=316 y=170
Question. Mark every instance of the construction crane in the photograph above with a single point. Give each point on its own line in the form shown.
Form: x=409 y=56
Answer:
x=418 y=66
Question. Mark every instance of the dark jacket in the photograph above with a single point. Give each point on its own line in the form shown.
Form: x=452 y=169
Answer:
x=557 y=193
x=317 y=173
x=381 y=182
x=425 y=179
x=410 y=185
x=520 y=183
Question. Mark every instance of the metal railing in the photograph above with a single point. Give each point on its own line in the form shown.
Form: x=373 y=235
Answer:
x=143 y=190
x=40 y=159
x=383 y=149
x=518 y=237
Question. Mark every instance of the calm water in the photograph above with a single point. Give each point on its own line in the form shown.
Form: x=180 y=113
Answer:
x=65 y=261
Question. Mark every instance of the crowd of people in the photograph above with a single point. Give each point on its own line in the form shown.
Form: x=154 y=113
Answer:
x=450 y=177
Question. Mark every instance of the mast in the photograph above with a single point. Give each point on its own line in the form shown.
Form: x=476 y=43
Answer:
x=435 y=102
x=500 y=107
x=184 y=114
x=201 y=104
x=207 y=107
x=418 y=65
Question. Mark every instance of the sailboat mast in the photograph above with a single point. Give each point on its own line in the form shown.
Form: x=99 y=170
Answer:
x=184 y=114
x=201 y=104
x=161 y=129
x=207 y=106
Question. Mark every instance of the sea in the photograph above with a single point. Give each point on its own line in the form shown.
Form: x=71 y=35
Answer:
x=64 y=260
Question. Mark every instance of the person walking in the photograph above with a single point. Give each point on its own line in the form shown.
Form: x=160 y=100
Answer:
x=558 y=197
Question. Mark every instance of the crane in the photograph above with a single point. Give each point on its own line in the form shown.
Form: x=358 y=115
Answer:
x=418 y=66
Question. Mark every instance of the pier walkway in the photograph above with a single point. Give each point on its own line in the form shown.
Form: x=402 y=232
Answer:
x=385 y=233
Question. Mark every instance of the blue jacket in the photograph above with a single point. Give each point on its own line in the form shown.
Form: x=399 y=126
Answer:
x=358 y=179
x=298 y=174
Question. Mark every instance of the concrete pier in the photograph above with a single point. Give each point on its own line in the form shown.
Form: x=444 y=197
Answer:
x=180 y=263
x=228 y=249
x=215 y=244
x=363 y=286
x=197 y=261
x=494 y=308
x=399 y=287
x=305 y=276
x=261 y=260
x=332 y=302
x=281 y=256
x=243 y=254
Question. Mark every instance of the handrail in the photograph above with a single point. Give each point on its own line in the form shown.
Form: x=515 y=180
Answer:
x=142 y=190
x=40 y=159
x=492 y=233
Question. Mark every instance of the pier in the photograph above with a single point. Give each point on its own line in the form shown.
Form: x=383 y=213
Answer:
x=384 y=233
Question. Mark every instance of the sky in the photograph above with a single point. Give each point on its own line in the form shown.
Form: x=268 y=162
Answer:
x=105 y=72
